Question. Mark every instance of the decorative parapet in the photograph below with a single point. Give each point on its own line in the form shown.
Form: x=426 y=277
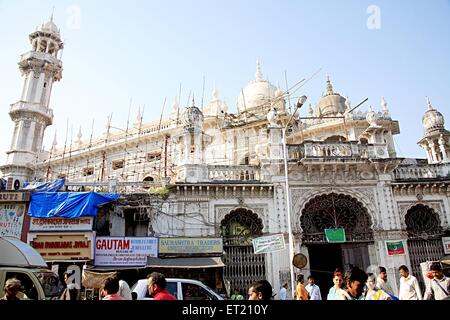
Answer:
x=422 y=172
x=233 y=173
x=335 y=150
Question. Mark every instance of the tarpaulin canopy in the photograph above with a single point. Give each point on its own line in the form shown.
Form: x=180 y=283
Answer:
x=90 y=279
x=45 y=186
x=68 y=204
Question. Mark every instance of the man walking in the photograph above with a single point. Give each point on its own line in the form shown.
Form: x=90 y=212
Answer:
x=440 y=285
x=382 y=282
x=313 y=289
x=409 y=286
x=300 y=291
x=283 y=291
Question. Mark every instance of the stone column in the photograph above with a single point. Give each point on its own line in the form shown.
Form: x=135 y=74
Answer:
x=443 y=149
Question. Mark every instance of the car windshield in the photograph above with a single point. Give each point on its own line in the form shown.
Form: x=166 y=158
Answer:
x=50 y=283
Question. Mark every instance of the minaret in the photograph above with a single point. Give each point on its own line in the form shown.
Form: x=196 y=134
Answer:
x=436 y=140
x=31 y=115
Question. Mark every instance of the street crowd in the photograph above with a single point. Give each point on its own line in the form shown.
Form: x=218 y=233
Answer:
x=355 y=284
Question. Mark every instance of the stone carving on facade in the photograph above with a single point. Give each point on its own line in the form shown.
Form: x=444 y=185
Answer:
x=303 y=195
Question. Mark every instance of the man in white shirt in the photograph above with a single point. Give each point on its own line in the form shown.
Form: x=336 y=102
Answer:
x=382 y=281
x=283 y=292
x=313 y=289
x=124 y=288
x=440 y=285
x=409 y=286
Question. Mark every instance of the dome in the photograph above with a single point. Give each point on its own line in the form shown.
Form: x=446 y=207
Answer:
x=257 y=94
x=49 y=26
x=432 y=119
x=331 y=103
x=192 y=117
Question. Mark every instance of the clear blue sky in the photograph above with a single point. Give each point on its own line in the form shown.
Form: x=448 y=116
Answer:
x=144 y=49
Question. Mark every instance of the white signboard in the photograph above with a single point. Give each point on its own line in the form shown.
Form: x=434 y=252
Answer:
x=61 y=224
x=268 y=244
x=120 y=251
x=446 y=242
x=11 y=219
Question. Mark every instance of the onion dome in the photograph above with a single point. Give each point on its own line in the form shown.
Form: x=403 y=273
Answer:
x=432 y=120
x=192 y=117
x=257 y=94
x=331 y=103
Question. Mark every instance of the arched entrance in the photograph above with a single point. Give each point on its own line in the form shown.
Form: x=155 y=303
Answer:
x=424 y=237
x=242 y=266
x=332 y=211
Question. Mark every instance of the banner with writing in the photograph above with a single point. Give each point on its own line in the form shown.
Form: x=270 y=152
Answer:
x=124 y=251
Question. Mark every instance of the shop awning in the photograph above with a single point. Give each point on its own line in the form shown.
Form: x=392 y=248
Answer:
x=189 y=263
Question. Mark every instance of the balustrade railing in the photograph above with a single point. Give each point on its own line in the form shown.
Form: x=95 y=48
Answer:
x=233 y=173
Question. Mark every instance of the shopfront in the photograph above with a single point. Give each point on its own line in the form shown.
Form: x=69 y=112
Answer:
x=191 y=258
x=13 y=220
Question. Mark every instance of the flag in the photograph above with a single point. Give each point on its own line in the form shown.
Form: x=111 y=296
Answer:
x=395 y=248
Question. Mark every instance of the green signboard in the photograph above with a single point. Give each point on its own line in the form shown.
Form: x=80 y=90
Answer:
x=335 y=235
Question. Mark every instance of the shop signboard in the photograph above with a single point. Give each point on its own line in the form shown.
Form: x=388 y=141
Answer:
x=124 y=251
x=268 y=244
x=14 y=196
x=63 y=246
x=11 y=219
x=61 y=224
x=180 y=246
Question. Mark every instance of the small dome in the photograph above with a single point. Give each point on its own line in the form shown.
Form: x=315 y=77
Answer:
x=432 y=119
x=192 y=117
x=258 y=93
x=49 y=26
x=331 y=103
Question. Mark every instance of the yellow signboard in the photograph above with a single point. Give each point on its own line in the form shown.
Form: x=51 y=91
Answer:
x=63 y=246
x=190 y=245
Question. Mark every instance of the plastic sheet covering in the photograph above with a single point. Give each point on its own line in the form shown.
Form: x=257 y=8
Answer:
x=94 y=280
x=45 y=186
x=68 y=204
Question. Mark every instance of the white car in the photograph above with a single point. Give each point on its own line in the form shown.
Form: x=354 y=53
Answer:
x=182 y=289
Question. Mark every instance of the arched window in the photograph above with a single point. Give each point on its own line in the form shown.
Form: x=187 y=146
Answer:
x=332 y=211
x=336 y=138
x=422 y=221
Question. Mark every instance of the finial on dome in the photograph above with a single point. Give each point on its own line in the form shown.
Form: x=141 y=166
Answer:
x=430 y=107
x=53 y=11
x=258 y=74
x=384 y=105
x=329 y=88
x=193 y=100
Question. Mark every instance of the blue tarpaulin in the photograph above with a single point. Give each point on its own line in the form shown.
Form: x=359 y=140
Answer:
x=68 y=204
x=45 y=186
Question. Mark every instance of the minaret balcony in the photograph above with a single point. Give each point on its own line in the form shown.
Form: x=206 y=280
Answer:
x=21 y=108
x=42 y=56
